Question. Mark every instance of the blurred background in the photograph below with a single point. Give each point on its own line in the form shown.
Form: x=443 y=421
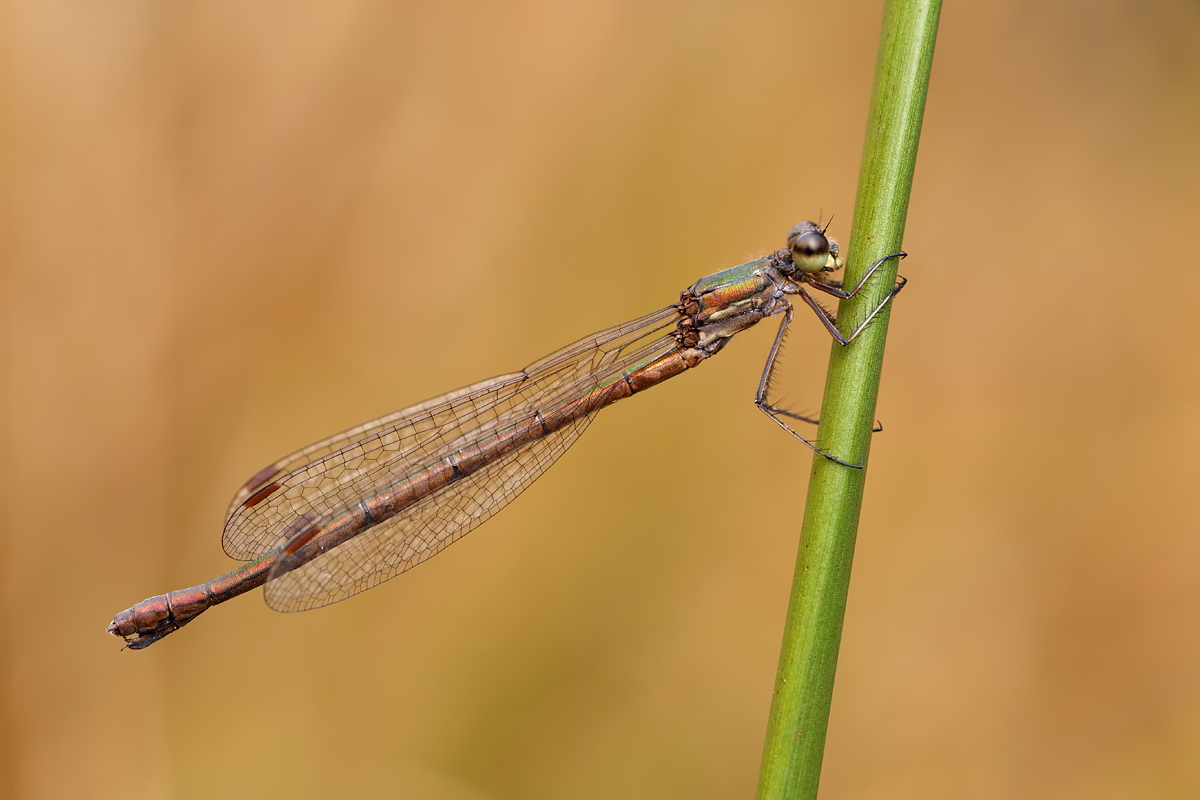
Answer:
x=231 y=229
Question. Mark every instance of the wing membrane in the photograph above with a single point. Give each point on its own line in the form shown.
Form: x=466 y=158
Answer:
x=424 y=530
x=317 y=450
x=331 y=475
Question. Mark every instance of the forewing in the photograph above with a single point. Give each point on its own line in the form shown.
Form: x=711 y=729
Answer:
x=354 y=464
x=317 y=450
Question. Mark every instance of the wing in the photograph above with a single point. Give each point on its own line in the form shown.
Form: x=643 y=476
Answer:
x=318 y=450
x=333 y=474
x=421 y=532
x=252 y=523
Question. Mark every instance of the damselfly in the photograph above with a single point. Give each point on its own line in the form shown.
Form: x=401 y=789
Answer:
x=353 y=510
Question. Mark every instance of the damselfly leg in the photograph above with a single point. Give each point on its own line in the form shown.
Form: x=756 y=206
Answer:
x=835 y=289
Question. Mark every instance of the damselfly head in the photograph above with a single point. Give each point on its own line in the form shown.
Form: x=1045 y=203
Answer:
x=812 y=250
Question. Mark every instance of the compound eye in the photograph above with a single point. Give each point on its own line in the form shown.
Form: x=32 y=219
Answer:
x=810 y=251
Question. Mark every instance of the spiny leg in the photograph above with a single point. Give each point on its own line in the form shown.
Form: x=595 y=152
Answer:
x=760 y=397
x=811 y=420
x=774 y=409
x=830 y=322
x=835 y=287
x=764 y=390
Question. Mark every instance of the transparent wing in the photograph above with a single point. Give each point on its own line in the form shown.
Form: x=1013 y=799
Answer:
x=424 y=530
x=317 y=450
x=330 y=476
x=281 y=490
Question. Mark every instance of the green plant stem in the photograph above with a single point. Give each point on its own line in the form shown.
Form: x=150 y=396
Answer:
x=795 y=742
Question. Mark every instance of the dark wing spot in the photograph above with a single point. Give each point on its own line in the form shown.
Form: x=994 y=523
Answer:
x=261 y=494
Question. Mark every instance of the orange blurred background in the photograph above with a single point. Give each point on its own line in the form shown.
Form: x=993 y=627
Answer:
x=234 y=228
